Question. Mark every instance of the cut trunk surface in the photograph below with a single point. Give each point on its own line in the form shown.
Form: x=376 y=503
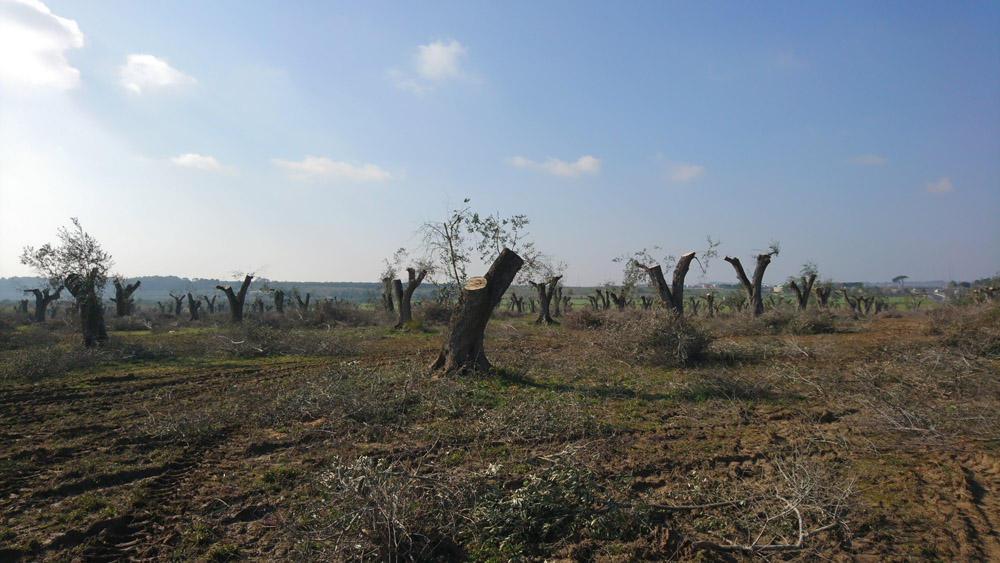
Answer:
x=463 y=346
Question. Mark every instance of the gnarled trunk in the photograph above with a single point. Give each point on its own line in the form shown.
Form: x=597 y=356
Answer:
x=303 y=305
x=178 y=304
x=802 y=294
x=42 y=300
x=405 y=310
x=123 y=297
x=210 y=302
x=710 y=301
x=463 y=347
x=89 y=305
x=545 y=292
x=236 y=299
x=671 y=296
x=279 y=301
x=823 y=294
x=645 y=302
x=752 y=289
x=193 y=306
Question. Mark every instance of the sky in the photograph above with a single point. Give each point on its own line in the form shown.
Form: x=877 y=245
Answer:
x=307 y=141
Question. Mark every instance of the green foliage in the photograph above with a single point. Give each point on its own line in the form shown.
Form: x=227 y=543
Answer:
x=77 y=253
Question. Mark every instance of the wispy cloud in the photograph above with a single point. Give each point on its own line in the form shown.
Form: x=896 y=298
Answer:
x=942 y=186
x=33 y=43
x=682 y=172
x=584 y=165
x=432 y=65
x=145 y=73
x=868 y=159
x=322 y=167
x=201 y=162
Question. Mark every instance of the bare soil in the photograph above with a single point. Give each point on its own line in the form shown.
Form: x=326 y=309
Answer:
x=880 y=440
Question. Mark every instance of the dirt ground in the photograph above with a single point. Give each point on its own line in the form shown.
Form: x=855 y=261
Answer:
x=877 y=442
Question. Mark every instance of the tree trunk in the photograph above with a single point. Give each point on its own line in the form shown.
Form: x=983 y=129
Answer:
x=823 y=293
x=279 y=301
x=595 y=302
x=42 y=300
x=193 y=306
x=545 y=292
x=752 y=289
x=413 y=280
x=694 y=305
x=646 y=302
x=462 y=349
x=802 y=294
x=303 y=305
x=557 y=312
x=387 y=288
x=178 y=304
x=710 y=301
x=236 y=299
x=672 y=296
x=91 y=313
x=210 y=303
x=123 y=297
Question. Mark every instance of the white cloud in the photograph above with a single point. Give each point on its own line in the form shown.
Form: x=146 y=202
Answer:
x=33 y=42
x=322 y=167
x=942 y=186
x=200 y=162
x=867 y=159
x=146 y=72
x=584 y=165
x=681 y=172
x=439 y=61
x=433 y=64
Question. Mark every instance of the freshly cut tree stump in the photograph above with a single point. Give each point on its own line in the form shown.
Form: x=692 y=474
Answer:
x=463 y=346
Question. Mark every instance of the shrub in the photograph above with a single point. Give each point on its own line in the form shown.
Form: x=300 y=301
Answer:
x=657 y=337
x=251 y=339
x=583 y=319
x=432 y=312
x=974 y=330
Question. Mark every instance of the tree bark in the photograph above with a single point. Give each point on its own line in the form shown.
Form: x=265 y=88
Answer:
x=91 y=313
x=42 y=300
x=823 y=294
x=462 y=349
x=545 y=292
x=710 y=301
x=752 y=289
x=405 y=309
x=123 y=297
x=210 y=303
x=279 y=301
x=557 y=312
x=387 y=284
x=646 y=302
x=802 y=294
x=178 y=304
x=303 y=305
x=236 y=299
x=671 y=296
x=193 y=306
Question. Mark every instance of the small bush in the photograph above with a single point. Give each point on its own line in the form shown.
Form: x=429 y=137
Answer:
x=811 y=321
x=658 y=337
x=33 y=364
x=252 y=339
x=433 y=313
x=131 y=323
x=583 y=319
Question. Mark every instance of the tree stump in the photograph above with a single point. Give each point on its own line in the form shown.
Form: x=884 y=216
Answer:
x=462 y=349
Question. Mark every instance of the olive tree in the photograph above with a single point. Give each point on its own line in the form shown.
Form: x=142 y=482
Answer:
x=80 y=264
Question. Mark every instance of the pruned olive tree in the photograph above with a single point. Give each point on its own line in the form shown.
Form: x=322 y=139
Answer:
x=672 y=295
x=178 y=303
x=42 y=300
x=80 y=264
x=193 y=306
x=405 y=296
x=123 y=296
x=236 y=299
x=462 y=349
x=807 y=277
x=753 y=288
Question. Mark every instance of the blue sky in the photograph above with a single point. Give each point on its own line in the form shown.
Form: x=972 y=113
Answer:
x=308 y=141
